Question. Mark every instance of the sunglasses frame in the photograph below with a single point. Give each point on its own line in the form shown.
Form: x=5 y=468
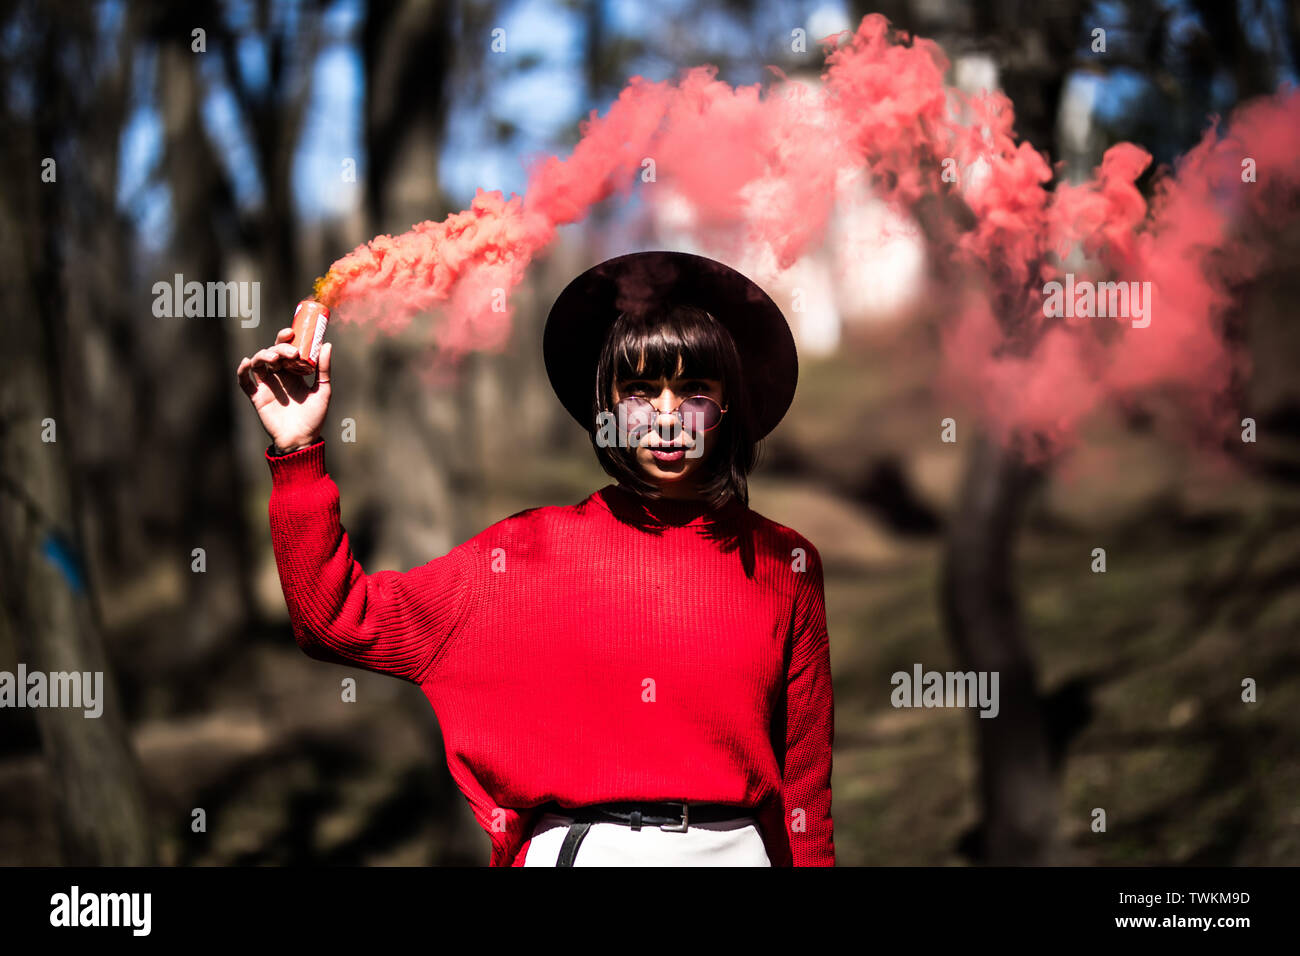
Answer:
x=677 y=410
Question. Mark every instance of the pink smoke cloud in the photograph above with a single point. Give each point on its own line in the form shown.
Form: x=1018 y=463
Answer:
x=759 y=170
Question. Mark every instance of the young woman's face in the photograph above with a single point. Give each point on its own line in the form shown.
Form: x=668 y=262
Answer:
x=668 y=455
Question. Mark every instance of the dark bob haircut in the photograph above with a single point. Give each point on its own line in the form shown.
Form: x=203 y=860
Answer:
x=679 y=341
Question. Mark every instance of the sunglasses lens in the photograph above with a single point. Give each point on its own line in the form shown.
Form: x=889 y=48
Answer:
x=636 y=416
x=700 y=414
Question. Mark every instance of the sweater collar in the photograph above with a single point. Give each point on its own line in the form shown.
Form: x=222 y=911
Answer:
x=625 y=503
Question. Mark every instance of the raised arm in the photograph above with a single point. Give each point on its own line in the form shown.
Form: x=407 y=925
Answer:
x=390 y=622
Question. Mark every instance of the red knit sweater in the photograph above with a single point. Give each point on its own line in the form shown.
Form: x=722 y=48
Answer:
x=616 y=649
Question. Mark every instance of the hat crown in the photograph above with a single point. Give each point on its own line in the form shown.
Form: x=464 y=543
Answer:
x=639 y=282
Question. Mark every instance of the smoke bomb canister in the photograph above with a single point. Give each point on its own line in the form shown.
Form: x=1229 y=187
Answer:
x=309 y=321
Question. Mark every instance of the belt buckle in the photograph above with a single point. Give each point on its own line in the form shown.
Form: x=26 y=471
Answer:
x=678 y=827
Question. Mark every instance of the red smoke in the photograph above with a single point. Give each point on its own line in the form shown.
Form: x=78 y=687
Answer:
x=760 y=172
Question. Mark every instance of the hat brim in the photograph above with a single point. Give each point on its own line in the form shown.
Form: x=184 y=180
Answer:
x=583 y=313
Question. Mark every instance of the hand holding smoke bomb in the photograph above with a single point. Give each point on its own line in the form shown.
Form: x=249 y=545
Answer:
x=291 y=411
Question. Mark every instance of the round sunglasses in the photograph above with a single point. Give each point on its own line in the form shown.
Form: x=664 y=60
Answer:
x=696 y=414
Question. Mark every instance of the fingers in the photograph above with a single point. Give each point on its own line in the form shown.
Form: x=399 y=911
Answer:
x=276 y=356
x=323 y=364
x=244 y=373
x=263 y=366
x=253 y=375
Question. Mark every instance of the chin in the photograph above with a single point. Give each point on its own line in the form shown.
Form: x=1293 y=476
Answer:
x=653 y=470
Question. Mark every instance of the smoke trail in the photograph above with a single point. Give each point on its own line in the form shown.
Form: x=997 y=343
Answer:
x=762 y=172
x=464 y=260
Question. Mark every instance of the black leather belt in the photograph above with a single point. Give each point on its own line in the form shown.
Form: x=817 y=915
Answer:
x=672 y=816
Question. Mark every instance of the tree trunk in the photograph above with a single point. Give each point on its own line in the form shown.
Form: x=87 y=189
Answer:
x=99 y=799
x=981 y=611
x=1017 y=784
x=94 y=776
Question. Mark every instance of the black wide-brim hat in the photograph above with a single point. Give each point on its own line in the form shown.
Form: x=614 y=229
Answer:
x=583 y=313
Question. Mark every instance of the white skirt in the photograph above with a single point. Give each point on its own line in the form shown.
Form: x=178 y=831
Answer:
x=735 y=842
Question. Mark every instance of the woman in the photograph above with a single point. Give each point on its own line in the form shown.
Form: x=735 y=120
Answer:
x=641 y=678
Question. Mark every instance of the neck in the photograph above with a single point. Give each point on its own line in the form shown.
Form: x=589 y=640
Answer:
x=676 y=510
x=679 y=490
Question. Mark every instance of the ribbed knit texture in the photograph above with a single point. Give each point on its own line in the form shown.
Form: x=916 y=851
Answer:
x=616 y=649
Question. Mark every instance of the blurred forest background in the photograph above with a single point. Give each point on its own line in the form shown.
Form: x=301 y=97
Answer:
x=1121 y=690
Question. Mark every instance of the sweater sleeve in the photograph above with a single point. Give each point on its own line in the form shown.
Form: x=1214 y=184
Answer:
x=808 y=719
x=391 y=622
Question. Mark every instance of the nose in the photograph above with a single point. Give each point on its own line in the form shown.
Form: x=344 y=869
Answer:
x=665 y=405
